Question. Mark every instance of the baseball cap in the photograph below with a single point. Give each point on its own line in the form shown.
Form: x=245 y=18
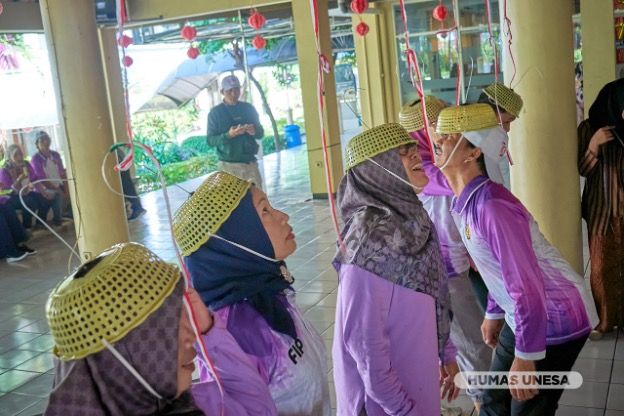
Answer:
x=230 y=82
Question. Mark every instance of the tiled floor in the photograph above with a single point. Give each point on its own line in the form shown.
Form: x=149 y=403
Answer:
x=26 y=368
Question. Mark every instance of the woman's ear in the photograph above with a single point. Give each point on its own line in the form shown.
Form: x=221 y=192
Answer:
x=474 y=154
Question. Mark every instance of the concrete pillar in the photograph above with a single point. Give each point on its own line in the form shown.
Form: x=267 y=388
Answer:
x=598 y=47
x=308 y=68
x=71 y=33
x=543 y=139
x=376 y=62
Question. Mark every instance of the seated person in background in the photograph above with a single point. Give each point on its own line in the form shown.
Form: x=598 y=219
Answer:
x=17 y=173
x=12 y=236
x=234 y=244
x=124 y=342
x=47 y=164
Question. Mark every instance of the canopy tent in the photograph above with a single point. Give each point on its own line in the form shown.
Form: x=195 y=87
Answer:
x=192 y=76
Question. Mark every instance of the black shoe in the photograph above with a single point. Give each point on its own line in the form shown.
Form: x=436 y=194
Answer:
x=139 y=212
x=29 y=251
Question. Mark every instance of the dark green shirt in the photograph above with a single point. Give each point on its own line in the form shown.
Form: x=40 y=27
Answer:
x=240 y=149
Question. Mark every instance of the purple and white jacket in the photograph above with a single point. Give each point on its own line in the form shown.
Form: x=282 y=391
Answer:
x=543 y=300
x=436 y=199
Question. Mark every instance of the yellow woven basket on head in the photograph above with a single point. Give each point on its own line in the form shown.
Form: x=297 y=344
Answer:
x=375 y=141
x=411 y=115
x=471 y=117
x=504 y=97
x=106 y=298
x=207 y=209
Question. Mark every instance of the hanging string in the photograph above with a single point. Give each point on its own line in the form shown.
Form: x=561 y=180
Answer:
x=125 y=165
x=491 y=39
x=507 y=33
x=413 y=69
x=324 y=67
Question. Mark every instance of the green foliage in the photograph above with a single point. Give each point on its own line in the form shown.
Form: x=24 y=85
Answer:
x=268 y=144
x=284 y=74
x=176 y=172
x=197 y=145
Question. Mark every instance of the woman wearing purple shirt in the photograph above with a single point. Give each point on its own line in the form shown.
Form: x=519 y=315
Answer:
x=47 y=164
x=392 y=312
x=539 y=312
x=17 y=173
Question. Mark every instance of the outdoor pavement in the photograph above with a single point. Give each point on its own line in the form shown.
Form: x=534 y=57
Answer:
x=26 y=365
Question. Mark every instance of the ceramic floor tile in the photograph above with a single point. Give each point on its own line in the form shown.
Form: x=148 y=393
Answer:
x=42 y=343
x=13 y=379
x=578 y=411
x=13 y=404
x=616 y=397
x=594 y=369
x=614 y=412
x=39 y=386
x=40 y=364
x=603 y=349
x=590 y=394
x=15 y=339
x=13 y=358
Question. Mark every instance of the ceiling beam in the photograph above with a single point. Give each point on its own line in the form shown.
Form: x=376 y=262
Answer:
x=158 y=11
x=19 y=17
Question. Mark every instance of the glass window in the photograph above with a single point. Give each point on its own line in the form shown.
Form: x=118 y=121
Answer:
x=445 y=65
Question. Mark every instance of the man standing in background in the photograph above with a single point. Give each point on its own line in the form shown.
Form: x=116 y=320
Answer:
x=233 y=127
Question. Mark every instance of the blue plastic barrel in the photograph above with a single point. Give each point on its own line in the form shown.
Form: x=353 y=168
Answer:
x=293 y=135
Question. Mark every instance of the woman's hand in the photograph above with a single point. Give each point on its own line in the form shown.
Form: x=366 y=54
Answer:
x=447 y=381
x=202 y=314
x=601 y=136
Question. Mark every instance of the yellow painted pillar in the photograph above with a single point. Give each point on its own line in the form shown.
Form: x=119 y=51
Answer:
x=598 y=51
x=71 y=33
x=376 y=62
x=308 y=68
x=543 y=139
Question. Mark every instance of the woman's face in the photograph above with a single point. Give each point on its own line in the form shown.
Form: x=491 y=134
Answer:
x=275 y=224
x=44 y=143
x=18 y=156
x=413 y=165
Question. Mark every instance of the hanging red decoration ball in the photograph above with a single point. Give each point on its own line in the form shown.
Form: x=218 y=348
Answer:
x=192 y=52
x=359 y=6
x=362 y=29
x=256 y=20
x=258 y=42
x=127 y=61
x=188 y=33
x=440 y=12
x=124 y=41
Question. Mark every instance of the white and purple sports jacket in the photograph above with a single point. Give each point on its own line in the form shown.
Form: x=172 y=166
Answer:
x=541 y=297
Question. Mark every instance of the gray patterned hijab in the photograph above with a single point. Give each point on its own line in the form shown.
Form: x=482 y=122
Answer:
x=100 y=385
x=388 y=232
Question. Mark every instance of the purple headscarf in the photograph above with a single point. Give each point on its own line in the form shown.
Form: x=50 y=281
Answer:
x=388 y=232
x=100 y=384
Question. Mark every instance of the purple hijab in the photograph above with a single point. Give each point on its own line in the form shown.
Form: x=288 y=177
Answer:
x=100 y=385
x=388 y=232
